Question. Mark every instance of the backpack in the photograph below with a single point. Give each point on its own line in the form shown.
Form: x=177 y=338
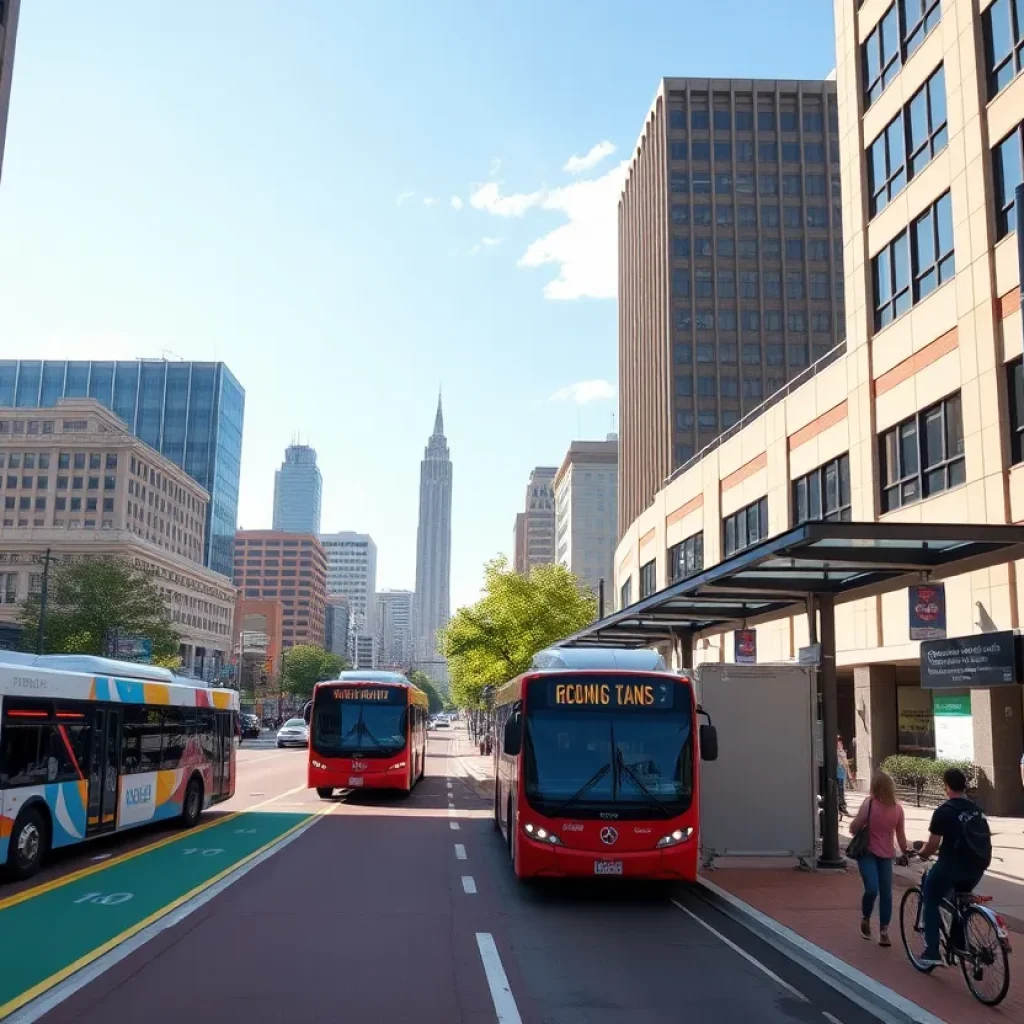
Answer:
x=975 y=845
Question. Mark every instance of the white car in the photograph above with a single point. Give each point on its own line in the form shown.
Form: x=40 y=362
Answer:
x=294 y=733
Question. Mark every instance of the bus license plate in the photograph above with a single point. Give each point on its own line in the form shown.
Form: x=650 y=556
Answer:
x=355 y=780
x=607 y=867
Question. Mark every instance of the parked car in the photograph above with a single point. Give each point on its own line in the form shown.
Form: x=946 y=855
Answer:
x=250 y=727
x=294 y=733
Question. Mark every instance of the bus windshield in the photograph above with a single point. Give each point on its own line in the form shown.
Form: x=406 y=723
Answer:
x=355 y=728
x=628 y=760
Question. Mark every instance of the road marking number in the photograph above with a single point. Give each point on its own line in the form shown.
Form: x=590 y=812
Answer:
x=106 y=900
x=245 y=831
x=212 y=851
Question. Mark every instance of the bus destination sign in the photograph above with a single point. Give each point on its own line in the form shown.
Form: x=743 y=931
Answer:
x=371 y=695
x=621 y=693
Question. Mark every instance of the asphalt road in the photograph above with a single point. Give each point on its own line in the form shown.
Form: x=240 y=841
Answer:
x=393 y=910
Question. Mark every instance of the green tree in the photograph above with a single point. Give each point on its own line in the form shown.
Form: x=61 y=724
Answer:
x=305 y=665
x=494 y=640
x=429 y=687
x=89 y=600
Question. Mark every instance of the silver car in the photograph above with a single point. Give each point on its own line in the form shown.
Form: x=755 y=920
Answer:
x=294 y=733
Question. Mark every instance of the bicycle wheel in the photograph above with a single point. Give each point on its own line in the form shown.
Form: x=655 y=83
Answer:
x=984 y=961
x=912 y=929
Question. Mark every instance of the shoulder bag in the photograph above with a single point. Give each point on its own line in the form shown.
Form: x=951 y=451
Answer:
x=858 y=845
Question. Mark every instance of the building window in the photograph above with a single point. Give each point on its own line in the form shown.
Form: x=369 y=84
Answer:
x=1015 y=387
x=1007 y=174
x=745 y=528
x=918 y=18
x=923 y=455
x=648 y=578
x=626 y=593
x=1003 y=29
x=887 y=170
x=900 y=32
x=931 y=250
x=686 y=558
x=824 y=493
x=927 y=134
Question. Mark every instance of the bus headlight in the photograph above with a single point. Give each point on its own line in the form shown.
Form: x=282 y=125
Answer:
x=674 y=838
x=542 y=835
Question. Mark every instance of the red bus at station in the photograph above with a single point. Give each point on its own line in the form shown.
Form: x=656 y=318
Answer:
x=597 y=766
x=367 y=730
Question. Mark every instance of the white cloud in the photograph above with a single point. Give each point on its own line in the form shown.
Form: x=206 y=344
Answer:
x=489 y=199
x=579 y=164
x=430 y=201
x=487 y=242
x=457 y=203
x=404 y=197
x=584 y=391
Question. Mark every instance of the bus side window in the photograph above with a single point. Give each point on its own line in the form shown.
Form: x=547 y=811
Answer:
x=205 y=732
x=175 y=737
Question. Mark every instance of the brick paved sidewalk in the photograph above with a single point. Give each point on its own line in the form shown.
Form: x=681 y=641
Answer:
x=824 y=908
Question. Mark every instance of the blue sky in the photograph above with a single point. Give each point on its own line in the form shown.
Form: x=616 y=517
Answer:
x=276 y=186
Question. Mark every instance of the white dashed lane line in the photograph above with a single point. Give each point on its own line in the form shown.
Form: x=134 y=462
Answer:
x=469 y=885
x=460 y=851
x=453 y=825
x=505 y=1007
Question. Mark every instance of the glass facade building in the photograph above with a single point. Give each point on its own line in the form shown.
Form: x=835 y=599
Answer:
x=189 y=412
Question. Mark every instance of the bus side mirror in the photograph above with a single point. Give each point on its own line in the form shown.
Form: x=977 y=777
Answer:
x=708 y=743
x=512 y=740
x=307 y=713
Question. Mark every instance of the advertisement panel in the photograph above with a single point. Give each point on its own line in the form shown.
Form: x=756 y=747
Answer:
x=927 y=611
x=954 y=727
x=960 y=663
x=745 y=643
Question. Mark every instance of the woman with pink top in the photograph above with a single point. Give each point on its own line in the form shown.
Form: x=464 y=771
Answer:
x=883 y=815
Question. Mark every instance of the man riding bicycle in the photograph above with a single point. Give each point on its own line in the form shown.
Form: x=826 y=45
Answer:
x=964 y=856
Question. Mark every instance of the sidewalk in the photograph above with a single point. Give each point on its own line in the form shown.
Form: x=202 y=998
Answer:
x=478 y=769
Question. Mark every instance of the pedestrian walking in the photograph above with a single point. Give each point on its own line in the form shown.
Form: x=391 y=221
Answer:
x=842 y=774
x=881 y=815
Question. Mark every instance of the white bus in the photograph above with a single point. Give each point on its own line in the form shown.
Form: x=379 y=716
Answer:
x=90 y=746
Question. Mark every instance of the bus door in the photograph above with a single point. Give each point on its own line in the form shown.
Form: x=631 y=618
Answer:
x=224 y=749
x=104 y=768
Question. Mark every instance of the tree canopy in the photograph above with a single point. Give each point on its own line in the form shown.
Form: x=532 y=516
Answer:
x=494 y=640
x=89 y=600
x=429 y=687
x=305 y=665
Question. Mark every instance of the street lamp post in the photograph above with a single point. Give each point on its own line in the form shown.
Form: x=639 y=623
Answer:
x=42 y=602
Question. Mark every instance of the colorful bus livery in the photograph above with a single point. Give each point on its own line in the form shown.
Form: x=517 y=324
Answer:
x=86 y=754
x=367 y=730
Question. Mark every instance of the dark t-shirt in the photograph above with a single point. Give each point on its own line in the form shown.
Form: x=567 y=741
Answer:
x=946 y=823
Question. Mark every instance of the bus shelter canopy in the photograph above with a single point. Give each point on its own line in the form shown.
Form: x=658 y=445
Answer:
x=842 y=561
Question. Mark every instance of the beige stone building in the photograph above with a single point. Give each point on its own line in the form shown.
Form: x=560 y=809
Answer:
x=76 y=481
x=918 y=416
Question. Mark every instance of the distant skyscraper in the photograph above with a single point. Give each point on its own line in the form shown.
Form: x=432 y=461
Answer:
x=394 y=628
x=336 y=622
x=434 y=550
x=191 y=413
x=297 y=486
x=8 y=35
x=535 y=532
x=519 y=544
x=352 y=573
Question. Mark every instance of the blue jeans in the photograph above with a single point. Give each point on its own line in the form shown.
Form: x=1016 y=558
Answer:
x=876 y=873
x=943 y=879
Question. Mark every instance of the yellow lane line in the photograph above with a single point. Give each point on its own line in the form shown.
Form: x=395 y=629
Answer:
x=55 y=979
x=56 y=883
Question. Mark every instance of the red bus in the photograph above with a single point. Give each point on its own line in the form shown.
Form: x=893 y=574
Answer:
x=597 y=763
x=367 y=730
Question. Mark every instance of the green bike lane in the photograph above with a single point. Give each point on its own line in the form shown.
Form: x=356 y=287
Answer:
x=49 y=933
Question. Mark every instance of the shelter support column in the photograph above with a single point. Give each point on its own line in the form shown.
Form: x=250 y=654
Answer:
x=998 y=741
x=874 y=695
x=830 y=856
x=683 y=648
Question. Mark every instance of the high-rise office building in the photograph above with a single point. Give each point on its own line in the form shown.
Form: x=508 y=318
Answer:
x=8 y=36
x=730 y=264
x=291 y=568
x=336 y=625
x=191 y=413
x=535 y=532
x=297 y=486
x=586 y=512
x=352 y=573
x=519 y=543
x=434 y=551
x=394 y=628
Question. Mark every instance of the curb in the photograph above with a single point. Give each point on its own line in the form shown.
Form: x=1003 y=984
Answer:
x=869 y=994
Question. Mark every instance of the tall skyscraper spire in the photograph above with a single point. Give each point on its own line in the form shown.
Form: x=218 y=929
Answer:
x=433 y=551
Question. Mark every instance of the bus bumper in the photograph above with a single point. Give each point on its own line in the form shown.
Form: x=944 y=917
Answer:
x=542 y=860
x=376 y=775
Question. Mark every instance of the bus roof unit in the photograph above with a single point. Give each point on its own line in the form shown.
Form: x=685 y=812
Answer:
x=584 y=658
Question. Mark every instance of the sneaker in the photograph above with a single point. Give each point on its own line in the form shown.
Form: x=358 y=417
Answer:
x=928 y=959
x=883 y=937
x=865 y=928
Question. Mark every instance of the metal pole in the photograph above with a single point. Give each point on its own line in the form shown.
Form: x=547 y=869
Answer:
x=830 y=856
x=600 y=598
x=42 y=603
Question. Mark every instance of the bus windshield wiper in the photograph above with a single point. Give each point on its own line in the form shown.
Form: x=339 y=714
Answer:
x=592 y=781
x=366 y=729
x=651 y=798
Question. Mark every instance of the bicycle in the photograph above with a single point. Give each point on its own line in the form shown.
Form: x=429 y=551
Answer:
x=986 y=943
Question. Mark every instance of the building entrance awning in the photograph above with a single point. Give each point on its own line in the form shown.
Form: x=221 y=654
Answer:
x=840 y=561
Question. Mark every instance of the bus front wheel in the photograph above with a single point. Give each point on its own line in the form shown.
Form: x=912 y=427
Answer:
x=324 y=792
x=28 y=843
x=193 y=806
